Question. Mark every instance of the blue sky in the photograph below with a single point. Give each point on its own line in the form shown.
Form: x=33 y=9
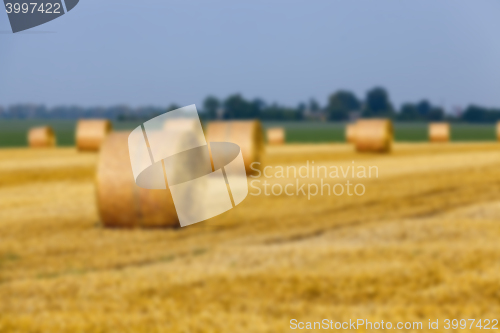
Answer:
x=158 y=52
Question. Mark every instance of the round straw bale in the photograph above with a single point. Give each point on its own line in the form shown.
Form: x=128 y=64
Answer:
x=439 y=132
x=374 y=135
x=350 y=133
x=246 y=134
x=276 y=136
x=39 y=137
x=90 y=133
x=121 y=202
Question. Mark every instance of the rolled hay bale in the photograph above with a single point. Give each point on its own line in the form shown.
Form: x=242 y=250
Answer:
x=276 y=136
x=374 y=135
x=350 y=133
x=90 y=133
x=41 y=137
x=121 y=202
x=439 y=132
x=246 y=134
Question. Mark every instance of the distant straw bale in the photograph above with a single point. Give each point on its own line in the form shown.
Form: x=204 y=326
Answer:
x=276 y=136
x=41 y=137
x=90 y=133
x=374 y=135
x=439 y=132
x=350 y=133
x=246 y=134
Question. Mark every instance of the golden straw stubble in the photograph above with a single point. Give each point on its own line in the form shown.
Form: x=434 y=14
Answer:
x=121 y=202
x=246 y=134
x=276 y=135
x=350 y=133
x=374 y=135
x=439 y=132
x=90 y=133
x=41 y=137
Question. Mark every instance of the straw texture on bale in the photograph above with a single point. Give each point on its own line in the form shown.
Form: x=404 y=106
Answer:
x=439 y=132
x=276 y=136
x=246 y=134
x=374 y=135
x=91 y=133
x=350 y=133
x=40 y=137
x=121 y=202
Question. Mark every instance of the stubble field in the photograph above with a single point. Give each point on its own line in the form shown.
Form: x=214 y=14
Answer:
x=421 y=243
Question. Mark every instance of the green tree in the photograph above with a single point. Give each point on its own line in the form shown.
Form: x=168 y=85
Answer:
x=477 y=114
x=424 y=108
x=210 y=105
x=340 y=104
x=378 y=104
x=314 y=105
x=409 y=112
x=237 y=107
x=435 y=114
x=173 y=107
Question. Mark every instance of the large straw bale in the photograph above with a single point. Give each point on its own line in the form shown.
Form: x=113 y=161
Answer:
x=121 y=202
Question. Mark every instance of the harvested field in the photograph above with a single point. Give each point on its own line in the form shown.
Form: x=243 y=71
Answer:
x=421 y=243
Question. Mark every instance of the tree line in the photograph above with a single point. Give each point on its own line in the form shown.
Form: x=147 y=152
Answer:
x=341 y=105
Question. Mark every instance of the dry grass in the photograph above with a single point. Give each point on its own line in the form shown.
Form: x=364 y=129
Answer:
x=421 y=243
x=45 y=164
